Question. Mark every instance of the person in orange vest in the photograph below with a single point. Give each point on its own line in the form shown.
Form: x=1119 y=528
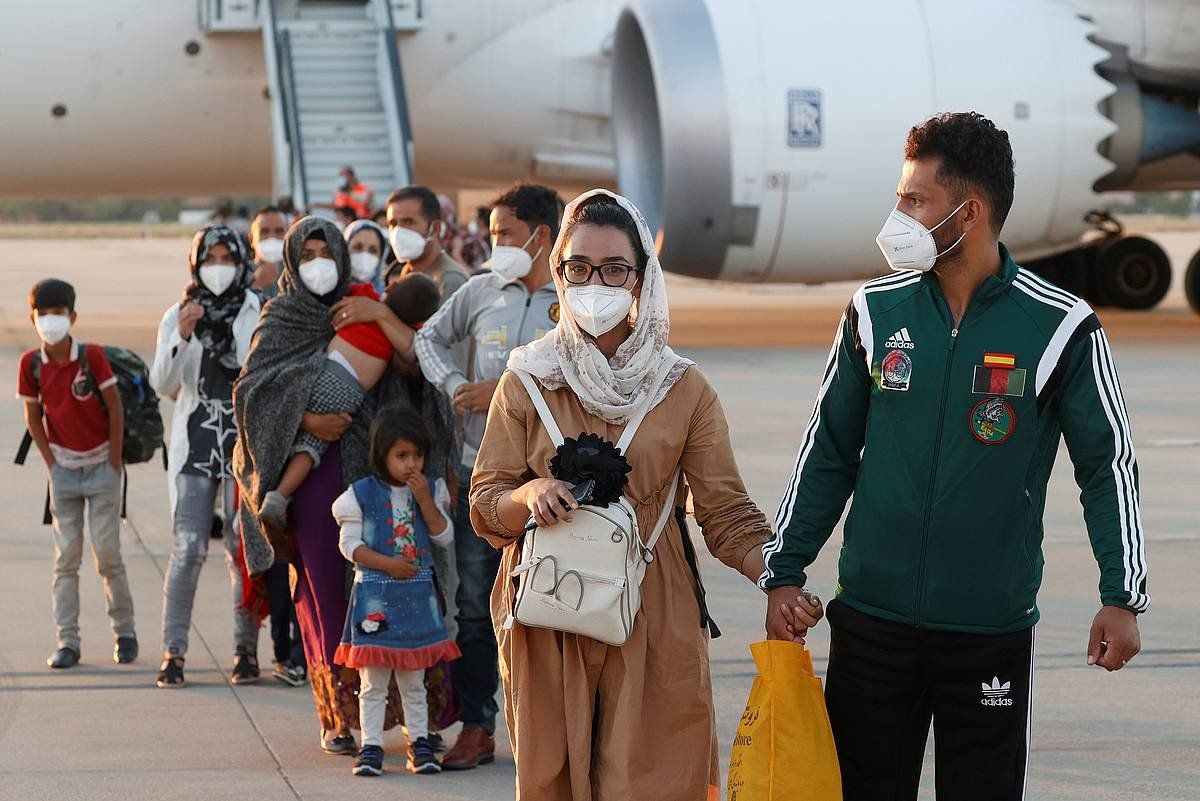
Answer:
x=353 y=193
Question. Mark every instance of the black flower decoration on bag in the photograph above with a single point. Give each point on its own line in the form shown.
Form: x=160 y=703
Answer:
x=589 y=457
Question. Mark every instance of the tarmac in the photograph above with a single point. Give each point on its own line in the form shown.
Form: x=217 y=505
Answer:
x=102 y=731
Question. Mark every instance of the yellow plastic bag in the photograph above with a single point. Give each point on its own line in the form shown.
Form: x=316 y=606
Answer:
x=784 y=745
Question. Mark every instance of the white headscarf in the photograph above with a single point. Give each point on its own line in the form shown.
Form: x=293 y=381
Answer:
x=610 y=390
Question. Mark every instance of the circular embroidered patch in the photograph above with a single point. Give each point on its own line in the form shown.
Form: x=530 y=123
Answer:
x=554 y=313
x=896 y=371
x=993 y=421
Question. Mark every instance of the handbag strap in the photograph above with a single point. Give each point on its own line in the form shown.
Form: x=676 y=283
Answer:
x=668 y=509
x=539 y=403
x=635 y=422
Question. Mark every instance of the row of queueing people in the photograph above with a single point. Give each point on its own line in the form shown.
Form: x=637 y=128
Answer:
x=288 y=283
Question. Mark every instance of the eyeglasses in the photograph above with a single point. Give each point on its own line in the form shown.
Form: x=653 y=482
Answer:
x=612 y=273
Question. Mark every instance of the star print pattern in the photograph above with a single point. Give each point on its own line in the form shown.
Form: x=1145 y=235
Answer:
x=211 y=436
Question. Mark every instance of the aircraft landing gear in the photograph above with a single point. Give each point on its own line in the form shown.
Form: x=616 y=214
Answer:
x=1191 y=283
x=1129 y=272
x=1132 y=272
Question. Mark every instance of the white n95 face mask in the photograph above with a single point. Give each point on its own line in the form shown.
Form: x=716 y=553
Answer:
x=217 y=277
x=363 y=266
x=52 y=328
x=598 y=309
x=909 y=245
x=270 y=250
x=319 y=275
x=406 y=243
x=512 y=263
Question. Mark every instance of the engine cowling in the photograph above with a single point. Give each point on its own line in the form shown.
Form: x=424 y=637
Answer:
x=764 y=140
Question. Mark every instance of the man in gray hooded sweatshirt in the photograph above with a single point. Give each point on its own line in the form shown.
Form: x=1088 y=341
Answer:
x=512 y=305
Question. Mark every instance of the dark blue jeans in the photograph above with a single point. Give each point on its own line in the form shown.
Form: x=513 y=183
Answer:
x=477 y=673
x=285 y=632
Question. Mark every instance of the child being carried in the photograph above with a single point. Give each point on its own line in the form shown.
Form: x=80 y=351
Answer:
x=356 y=359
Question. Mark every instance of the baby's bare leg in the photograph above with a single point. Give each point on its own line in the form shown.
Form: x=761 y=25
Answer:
x=298 y=468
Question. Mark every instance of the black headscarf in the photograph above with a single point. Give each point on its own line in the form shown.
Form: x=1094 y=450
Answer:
x=215 y=328
x=286 y=355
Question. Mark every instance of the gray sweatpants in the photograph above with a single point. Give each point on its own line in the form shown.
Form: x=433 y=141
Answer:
x=194 y=509
x=96 y=490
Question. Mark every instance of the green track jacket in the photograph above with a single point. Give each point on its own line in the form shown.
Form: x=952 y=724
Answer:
x=946 y=438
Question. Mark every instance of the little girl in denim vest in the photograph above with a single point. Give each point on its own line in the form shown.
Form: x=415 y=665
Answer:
x=388 y=522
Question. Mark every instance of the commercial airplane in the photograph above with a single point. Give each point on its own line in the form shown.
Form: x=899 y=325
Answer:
x=761 y=137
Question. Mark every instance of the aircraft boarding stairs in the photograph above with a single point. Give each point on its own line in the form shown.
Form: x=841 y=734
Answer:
x=337 y=90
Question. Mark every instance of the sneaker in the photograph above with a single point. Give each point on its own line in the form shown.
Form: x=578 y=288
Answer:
x=289 y=674
x=63 y=658
x=421 y=758
x=437 y=742
x=245 y=669
x=339 y=745
x=273 y=511
x=125 y=651
x=369 y=762
x=170 y=675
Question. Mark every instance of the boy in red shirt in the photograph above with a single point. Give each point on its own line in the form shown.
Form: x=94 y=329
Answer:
x=76 y=419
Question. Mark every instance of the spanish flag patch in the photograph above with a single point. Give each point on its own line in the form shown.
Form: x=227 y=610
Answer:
x=1004 y=360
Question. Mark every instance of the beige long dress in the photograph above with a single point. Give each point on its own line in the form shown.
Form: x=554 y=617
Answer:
x=590 y=721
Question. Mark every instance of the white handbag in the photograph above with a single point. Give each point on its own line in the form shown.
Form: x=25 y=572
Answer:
x=585 y=577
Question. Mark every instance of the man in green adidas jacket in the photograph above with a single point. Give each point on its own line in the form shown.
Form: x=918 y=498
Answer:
x=947 y=388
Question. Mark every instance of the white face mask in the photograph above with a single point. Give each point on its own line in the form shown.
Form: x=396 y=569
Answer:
x=319 y=275
x=909 y=245
x=363 y=266
x=270 y=250
x=217 y=277
x=512 y=263
x=598 y=309
x=52 y=328
x=407 y=244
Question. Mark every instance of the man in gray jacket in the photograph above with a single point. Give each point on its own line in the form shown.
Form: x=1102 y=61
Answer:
x=493 y=313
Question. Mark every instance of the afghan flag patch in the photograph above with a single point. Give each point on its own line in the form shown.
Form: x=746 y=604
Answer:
x=999 y=381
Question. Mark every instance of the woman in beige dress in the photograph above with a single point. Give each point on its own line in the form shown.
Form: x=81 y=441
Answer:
x=590 y=721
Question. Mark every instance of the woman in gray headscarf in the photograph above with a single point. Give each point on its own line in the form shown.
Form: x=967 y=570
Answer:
x=286 y=355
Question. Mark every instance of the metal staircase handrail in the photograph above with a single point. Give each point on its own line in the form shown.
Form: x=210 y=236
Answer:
x=299 y=174
x=397 y=82
x=281 y=150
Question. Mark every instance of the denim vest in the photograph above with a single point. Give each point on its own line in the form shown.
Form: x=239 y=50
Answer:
x=375 y=499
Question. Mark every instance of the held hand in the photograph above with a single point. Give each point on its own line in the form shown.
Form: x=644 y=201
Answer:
x=791 y=612
x=399 y=568
x=420 y=488
x=548 y=500
x=189 y=315
x=357 y=309
x=476 y=397
x=326 y=427
x=1114 y=639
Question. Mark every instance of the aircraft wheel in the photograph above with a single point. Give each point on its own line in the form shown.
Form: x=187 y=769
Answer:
x=1191 y=283
x=1134 y=273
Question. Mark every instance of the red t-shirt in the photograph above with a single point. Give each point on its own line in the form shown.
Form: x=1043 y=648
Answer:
x=76 y=422
x=367 y=337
